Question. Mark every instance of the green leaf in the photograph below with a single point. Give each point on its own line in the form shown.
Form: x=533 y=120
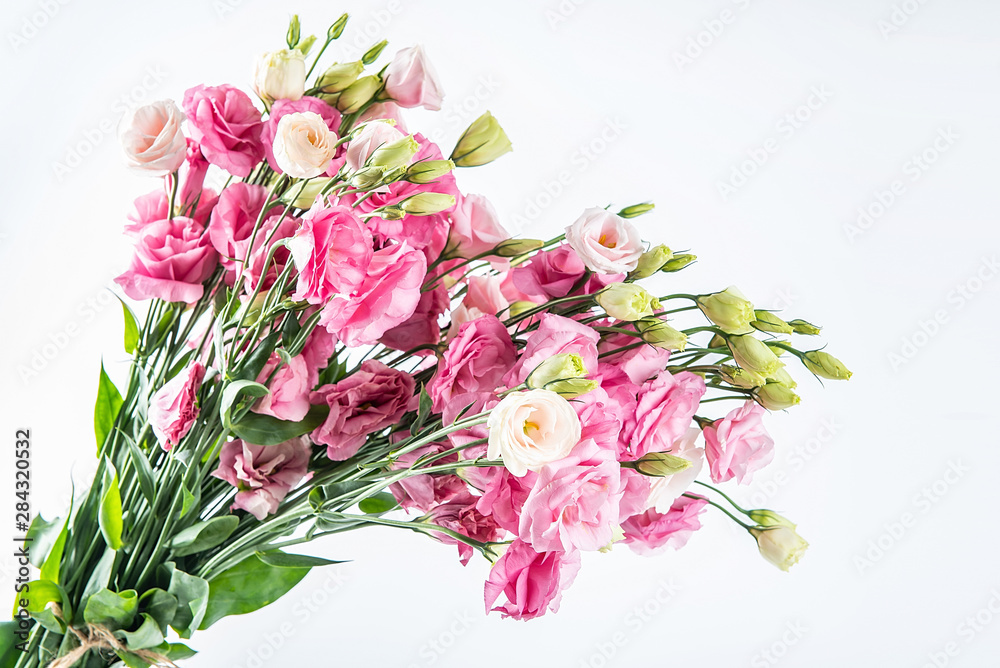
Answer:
x=290 y=328
x=320 y=495
x=39 y=595
x=42 y=536
x=248 y=586
x=146 y=636
x=132 y=660
x=231 y=396
x=143 y=471
x=131 y=328
x=187 y=502
x=282 y=560
x=266 y=430
x=203 y=535
x=176 y=651
x=109 y=516
x=163 y=326
x=423 y=410
x=109 y=402
x=192 y=599
x=53 y=561
x=380 y=503
x=254 y=363
x=9 y=652
x=100 y=577
x=110 y=609
x=159 y=605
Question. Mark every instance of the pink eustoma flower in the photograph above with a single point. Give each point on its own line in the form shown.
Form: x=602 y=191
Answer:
x=263 y=474
x=652 y=532
x=174 y=407
x=532 y=582
x=225 y=122
x=738 y=445
x=172 y=259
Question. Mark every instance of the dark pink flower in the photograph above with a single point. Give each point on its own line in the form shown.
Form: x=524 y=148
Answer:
x=461 y=516
x=555 y=335
x=651 y=532
x=474 y=363
x=332 y=251
x=422 y=328
x=263 y=474
x=174 y=407
x=532 y=582
x=225 y=122
x=666 y=407
x=172 y=259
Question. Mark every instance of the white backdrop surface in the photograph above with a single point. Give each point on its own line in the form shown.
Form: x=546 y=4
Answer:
x=834 y=159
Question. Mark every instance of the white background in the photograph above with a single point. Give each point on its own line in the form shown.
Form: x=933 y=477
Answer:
x=594 y=93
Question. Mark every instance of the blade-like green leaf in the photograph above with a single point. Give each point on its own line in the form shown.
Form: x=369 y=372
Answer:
x=143 y=471
x=254 y=363
x=380 y=503
x=203 y=535
x=53 y=561
x=282 y=560
x=112 y=610
x=248 y=586
x=109 y=402
x=146 y=636
x=42 y=536
x=423 y=410
x=131 y=338
x=109 y=516
x=266 y=430
x=232 y=394
x=9 y=650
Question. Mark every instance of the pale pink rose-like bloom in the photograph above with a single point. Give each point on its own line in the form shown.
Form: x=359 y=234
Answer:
x=263 y=474
x=317 y=352
x=461 y=516
x=474 y=363
x=387 y=297
x=282 y=107
x=666 y=407
x=483 y=296
x=576 y=502
x=233 y=220
x=738 y=445
x=152 y=140
x=369 y=400
x=664 y=491
x=421 y=328
x=387 y=110
x=225 y=122
x=635 y=493
x=146 y=209
x=652 y=532
x=606 y=242
x=289 y=397
x=369 y=138
x=532 y=582
x=174 y=407
x=172 y=259
x=622 y=400
x=475 y=227
x=640 y=364
x=600 y=417
x=332 y=251
x=555 y=335
x=503 y=495
x=412 y=81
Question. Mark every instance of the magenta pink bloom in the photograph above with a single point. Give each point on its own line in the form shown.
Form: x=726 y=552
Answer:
x=474 y=363
x=289 y=397
x=666 y=407
x=640 y=364
x=738 y=445
x=475 y=227
x=174 y=407
x=425 y=491
x=652 y=532
x=263 y=474
x=576 y=502
x=483 y=296
x=281 y=108
x=369 y=400
x=555 y=335
x=550 y=273
x=387 y=297
x=233 y=220
x=461 y=516
x=504 y=494
x=225 y=122
x=332 y=251
x=172 y=259
x=146 y=209
x=422 y=328
x=192 y=182
x=532 y=582
x=275 y=228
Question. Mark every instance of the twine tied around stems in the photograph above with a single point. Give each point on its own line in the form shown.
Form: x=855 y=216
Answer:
x=100 y=638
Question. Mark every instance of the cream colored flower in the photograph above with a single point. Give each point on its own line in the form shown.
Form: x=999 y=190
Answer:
x=530 y=429
x=304 y=145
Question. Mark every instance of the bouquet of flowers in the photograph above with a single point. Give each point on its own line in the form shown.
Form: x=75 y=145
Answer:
x=338 y=338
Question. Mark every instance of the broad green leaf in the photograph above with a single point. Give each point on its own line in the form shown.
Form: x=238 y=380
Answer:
x=159 y=605
x=187 y=501
x=192 y=598
x=380 y=503
x=254 y=363
x=176 y=651
x=109 y=402
x=282 y=560
x=9 y=650
x=132 y=660
x=266 y=430
x=423 y=410
x=109 y=515
x=112 y=610
x=319 y=496
x=231 y=396
x=203 y=535
x=146 y=636
x=131 y=328
x=53 y=561
x=143 y=471
x=290 y=329
x=39 y=594
x=248 y=586
x=42 y=536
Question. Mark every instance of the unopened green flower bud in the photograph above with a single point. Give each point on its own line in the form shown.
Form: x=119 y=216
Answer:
x=661 y=464
x=483 y=142
x=573 y=387
x=427 y=203
x=515 y=247
x=517 y=308
x=753 y=355
x=678 y=262
x=339 y=76
x=651 y=261
x=766 y=321
x=741 y=377
x=717 y=341
x=769 y=518
x=558 y=367
x=782 y=376
x=627 y=301
x=778 y=350
x=780 y=545
x=394 y=154
x=306 y=193
x=826 y=365
x=428 y=171
x=657 y=333
x=367 y=178
x=636 y=210
x=729 y=310
x=337 y=29
x=803 y=327
x=776 y=396
x=392 y=213
x=372 y=54
x=293 y=34
x=358 y=94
